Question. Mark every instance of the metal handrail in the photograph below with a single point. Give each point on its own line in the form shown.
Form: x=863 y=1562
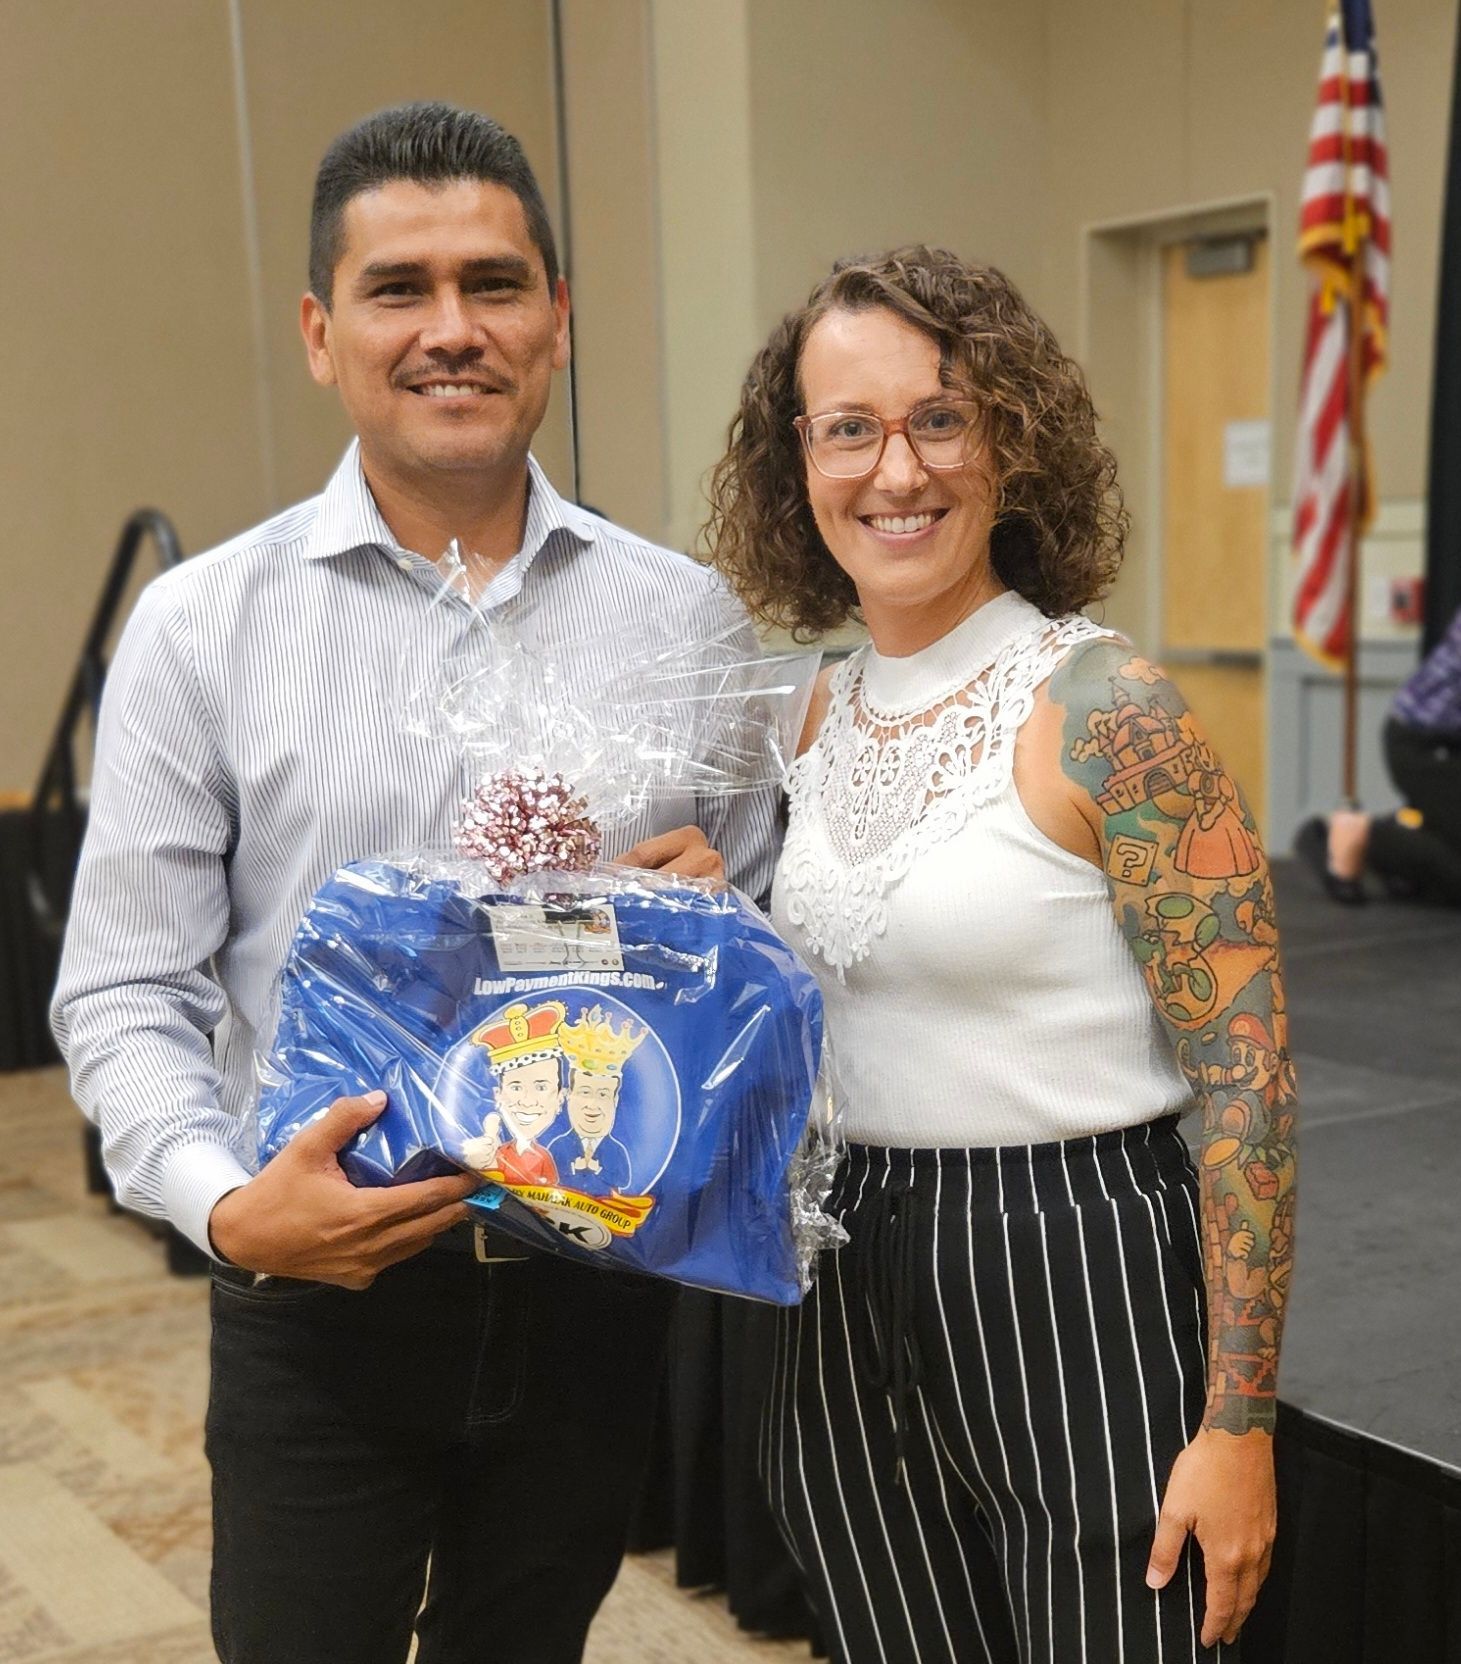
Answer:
x=56 y=794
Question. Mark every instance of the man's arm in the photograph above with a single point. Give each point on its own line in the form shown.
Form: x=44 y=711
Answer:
x=136 y=1001
x=1193 y=898
x=745 y=826
x=737 y=832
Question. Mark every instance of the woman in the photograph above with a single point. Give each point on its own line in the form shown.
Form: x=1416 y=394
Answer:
x=998 y=1417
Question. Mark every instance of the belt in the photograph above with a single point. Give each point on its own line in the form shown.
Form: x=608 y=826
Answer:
x=486 y=1245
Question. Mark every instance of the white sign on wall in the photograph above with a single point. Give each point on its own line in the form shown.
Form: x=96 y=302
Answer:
x=1246 y=448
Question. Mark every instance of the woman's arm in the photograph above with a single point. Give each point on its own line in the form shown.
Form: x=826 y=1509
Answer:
x=1192 y=896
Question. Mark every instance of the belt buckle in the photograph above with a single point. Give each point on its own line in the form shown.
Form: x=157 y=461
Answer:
x=479 y=1249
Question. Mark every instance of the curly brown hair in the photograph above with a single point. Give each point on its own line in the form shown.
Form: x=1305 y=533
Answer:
x=1060 y=526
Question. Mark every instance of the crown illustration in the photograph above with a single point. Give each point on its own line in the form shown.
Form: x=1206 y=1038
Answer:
x=522 y=1036
x=595 y=1046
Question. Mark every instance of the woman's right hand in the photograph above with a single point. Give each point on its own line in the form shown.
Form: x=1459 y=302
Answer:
x=1222 y=1491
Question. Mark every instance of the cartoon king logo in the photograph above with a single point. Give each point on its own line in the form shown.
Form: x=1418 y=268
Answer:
x=589 y=1154
x=580 y=1180
x=525 y=1059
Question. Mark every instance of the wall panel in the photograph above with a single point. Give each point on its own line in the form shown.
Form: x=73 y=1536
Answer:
x=1116 y=96
x=616 y=281
x=874 y=125
x=128 y=355
x=709 y=234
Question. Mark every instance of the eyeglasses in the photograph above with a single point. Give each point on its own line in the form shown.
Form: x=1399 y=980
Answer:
x=848 y=444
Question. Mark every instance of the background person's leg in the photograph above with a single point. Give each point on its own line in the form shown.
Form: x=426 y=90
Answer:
x=1427 y=770
x=1412 y=861
x=1423 y=860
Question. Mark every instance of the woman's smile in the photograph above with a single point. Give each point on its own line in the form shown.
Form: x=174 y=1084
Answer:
x=905 y=530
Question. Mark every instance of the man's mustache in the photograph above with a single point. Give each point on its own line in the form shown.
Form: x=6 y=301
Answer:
x=465 y=369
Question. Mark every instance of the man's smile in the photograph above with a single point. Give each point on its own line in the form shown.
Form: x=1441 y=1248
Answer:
x=458 y=387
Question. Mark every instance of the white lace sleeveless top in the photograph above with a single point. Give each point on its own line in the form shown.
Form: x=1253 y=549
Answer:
x=977 y=988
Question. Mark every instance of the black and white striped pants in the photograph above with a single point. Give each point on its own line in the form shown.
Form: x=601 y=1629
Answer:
x=974 y=1412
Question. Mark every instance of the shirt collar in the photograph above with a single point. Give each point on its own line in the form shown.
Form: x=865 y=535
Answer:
x=348 y=519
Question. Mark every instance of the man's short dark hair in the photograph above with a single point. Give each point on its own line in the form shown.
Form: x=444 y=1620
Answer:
x=429 y=144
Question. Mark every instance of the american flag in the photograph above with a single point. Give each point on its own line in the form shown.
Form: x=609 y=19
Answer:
x=1344 y=229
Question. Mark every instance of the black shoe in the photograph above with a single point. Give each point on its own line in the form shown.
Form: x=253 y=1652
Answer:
x=1311 y=845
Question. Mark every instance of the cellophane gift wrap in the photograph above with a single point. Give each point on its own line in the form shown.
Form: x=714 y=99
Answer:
x=633 y=1062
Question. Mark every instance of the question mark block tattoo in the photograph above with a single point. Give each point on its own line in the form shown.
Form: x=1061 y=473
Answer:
x=1131 y=859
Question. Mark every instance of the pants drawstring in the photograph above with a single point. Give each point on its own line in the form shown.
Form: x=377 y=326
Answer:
x=888 y=1353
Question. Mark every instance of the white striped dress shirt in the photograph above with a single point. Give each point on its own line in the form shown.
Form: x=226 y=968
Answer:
x=250 y=744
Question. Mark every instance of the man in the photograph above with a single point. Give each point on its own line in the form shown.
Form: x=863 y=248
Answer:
x=588 y=1155
x=382 y=1396
x=526 y=1061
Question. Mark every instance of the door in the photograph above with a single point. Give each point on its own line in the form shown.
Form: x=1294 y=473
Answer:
x=1214 y=524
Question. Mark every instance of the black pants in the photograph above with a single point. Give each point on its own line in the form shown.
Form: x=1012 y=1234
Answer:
x=490 y=1419
x=975 y=1412
x=1426 y=859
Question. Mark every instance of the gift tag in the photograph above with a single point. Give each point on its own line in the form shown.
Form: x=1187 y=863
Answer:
x=531 y=938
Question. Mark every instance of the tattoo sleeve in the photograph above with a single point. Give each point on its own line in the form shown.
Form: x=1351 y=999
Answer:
x=1193 y=898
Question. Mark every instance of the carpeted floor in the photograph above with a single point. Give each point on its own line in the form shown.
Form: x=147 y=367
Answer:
x=103 y=1490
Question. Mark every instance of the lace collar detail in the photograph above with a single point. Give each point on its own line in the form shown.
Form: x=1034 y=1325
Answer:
x=893 y=688
x=892 y=775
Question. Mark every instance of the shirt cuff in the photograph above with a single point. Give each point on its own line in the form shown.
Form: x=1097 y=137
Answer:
x=197 y=1176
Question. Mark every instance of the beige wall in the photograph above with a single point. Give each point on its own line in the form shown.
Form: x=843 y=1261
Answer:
x=874 y=125
x=708 y=236
x=617 y=337
x=130 y=187
x=125 y=333
x=721 y=153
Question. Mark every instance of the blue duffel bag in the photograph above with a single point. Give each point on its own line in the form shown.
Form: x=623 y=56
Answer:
x=633 y=1063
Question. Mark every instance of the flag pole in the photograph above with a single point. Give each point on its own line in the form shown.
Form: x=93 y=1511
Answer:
x=1354 y=240
x=1358 y=487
